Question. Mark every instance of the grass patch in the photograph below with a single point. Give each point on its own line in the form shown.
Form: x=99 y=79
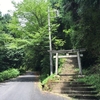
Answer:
x=45 y=81
x=45 y=77
x=61 y=62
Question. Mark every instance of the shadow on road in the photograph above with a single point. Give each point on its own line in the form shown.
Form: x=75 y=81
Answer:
x=28 y=77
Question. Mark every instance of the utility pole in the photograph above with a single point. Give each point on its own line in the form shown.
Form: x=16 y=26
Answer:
x=50 y=43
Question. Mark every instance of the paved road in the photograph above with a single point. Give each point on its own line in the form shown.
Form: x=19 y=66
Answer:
x=24 y=88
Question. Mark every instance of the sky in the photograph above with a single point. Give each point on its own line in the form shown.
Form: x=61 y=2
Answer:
x=6 y=5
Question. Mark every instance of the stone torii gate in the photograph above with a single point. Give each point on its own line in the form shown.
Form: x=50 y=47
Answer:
x=69 y=54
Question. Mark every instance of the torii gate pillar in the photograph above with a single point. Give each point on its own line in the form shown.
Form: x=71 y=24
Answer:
x=79 y=62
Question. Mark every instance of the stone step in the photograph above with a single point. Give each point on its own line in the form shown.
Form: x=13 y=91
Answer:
x=91 y=97
x=66 y=84
x=77 y=85
x=72 y=75
x=71 y=82
x=86 y=99
x=76 y=88
x=76 y=92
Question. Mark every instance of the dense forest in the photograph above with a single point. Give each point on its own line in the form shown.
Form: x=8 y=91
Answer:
x=24 y=38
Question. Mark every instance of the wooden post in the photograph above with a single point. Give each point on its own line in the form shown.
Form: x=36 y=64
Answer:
x=56 y=64
x=79 y=62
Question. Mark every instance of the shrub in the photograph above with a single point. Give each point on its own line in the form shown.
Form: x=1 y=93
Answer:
x=11 y=58
x=11 y=73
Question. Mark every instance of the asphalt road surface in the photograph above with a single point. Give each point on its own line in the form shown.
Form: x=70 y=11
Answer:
x=25 y=88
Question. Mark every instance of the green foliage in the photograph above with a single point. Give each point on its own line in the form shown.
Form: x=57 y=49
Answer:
x=11 y=73
x=58 y=43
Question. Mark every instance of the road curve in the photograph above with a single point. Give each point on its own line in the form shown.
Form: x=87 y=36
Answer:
x=24 y=88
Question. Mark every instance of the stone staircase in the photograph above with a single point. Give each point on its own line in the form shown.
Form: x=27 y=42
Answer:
x=68 y=86
x=76 y=90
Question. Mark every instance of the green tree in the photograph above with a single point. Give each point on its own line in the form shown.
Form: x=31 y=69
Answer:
x=4 y=19
x=81 y=17
x=29 y=26
x=10 y=55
